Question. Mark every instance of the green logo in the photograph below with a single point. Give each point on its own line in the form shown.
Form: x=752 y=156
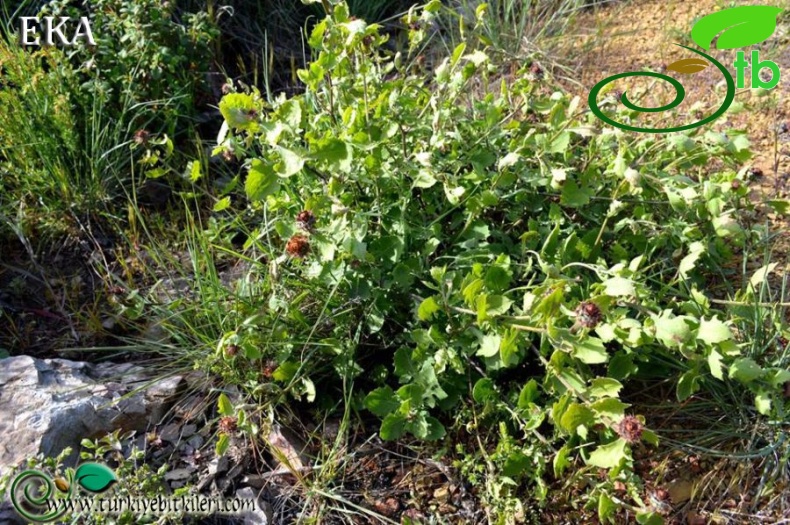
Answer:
x=736 y=27
x=34 y=494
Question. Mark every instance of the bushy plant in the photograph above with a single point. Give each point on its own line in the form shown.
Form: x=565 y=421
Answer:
x=146 y=52
x=491 y=239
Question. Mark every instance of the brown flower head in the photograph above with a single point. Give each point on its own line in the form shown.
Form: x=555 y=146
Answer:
x=141 y=137
x=630 y=429
x=755 y=172
x=269 y=366
x=306 y=220
x=298 y=246
x=231 y=350
x=228 y=424
x=588 y=314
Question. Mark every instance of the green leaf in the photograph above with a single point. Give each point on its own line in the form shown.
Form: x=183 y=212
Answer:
x=224 y=405
x=335 y=152
x=237 y=110
x=605 y=387
x=489 y=345
x=427 y=308
x=382 y=401
x=672 y=331
x=762 y=402
x=590 y=351
x=94 y=477
x=714 y=362
x=424 y=179
x=688 y=384
x=222 y=204
x=696 y=249
x=492 y=305
x=619 y=287
x=573 y=196
x=713 y=331
x=745 y=370
x=435 y=429
x=261 y=182
x=561 y=462
x=529 y=394
x=621 y=366
x=484 y=390
x=609 y=407
x=576 y=415
x=609 y=455
x=290 y=112
x=223 y=443
x=649 y=518
x=193 y=168
x=291 y=162
x=606 y=508
x=560 y=143
x=742 y=26
x=393 y=426
x=286 y=371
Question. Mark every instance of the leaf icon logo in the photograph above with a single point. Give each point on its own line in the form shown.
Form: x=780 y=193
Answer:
x=688 y=66
x=94 y=477
x=739 y=26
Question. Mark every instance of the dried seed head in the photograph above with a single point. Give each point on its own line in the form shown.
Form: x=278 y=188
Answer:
x=228 y=424
x=630 y=429
x=231 y=350
x=536 y=71
x=298 y=246
x=588 y=314
x=735 y=184
x=306 y=220
x=141 y=137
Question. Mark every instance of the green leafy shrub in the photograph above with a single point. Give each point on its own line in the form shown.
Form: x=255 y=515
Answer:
x=495 y=241
x=145 y=53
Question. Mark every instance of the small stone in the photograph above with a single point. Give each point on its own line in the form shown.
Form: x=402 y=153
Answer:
x=179 y=474
x=188 y=430
x=195 y=442
x=170 y=432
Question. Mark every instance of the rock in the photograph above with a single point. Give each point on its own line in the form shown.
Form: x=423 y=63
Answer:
x=195 y=442
x=50 y=404
x=170 y=432
x=254 y=480
x=179 y=474
x=263 y=513
x=8 y=516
